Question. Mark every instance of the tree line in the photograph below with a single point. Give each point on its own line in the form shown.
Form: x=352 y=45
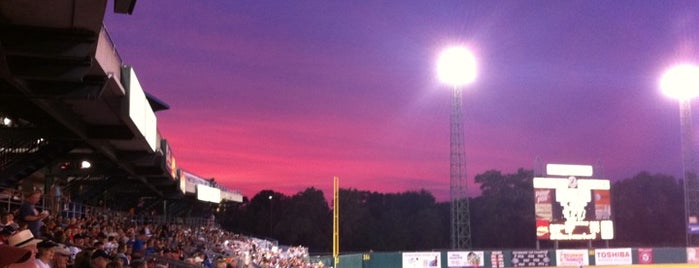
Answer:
x=647 y=210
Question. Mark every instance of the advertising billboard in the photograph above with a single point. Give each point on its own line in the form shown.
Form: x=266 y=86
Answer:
x=463 y=259
x=170 y=162
x=645 y=256
x=613 y=256
x=209 y=194
x=693 y=255
x=572 y=257
x=138 y=112
x=422 y=260
x=497 y=259
x=530 y=258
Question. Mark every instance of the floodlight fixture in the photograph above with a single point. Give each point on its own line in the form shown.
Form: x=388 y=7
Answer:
x=456 y=66
x=681 y=82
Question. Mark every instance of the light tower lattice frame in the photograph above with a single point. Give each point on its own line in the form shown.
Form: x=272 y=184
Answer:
x=691 y=185
x=460 y=212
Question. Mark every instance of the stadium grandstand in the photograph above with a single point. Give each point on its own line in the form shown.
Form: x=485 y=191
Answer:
x=77 y=126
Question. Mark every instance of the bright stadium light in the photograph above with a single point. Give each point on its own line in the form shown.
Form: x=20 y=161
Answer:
x=681 y=82
x=456 y=66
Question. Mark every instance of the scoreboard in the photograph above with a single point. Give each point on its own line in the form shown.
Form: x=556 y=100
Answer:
x=572 y=208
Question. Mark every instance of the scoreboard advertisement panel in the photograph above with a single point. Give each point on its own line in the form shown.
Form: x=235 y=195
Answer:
x=572 y=209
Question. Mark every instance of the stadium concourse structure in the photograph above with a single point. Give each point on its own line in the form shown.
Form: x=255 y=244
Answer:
x=74 y=116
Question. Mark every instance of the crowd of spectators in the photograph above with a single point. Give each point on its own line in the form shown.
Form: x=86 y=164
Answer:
x=111 y=240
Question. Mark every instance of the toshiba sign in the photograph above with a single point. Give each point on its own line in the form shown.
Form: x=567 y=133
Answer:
x=613 y=256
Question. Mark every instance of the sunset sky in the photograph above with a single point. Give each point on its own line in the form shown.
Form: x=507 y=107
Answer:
x=284 y=95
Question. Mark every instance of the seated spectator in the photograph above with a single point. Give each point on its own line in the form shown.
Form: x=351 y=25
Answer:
x=25 y=240
x=122 y=254
x=111 y=245
x=138 y=264
x=115 y=264
x=5 y=233
x=82 y=259
x=61 y=256
x=8 y=219
x=100 y=259
x=79 y=240
x=45 y=254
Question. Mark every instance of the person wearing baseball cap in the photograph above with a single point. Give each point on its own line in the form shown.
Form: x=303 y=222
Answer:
x=11 y=255
x=5 y=233
x=45 y=254
x=99 y=259
x=61 y=256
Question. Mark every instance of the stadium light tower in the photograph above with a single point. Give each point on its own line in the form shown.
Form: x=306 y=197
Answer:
x=681 y=82
x=457 y=67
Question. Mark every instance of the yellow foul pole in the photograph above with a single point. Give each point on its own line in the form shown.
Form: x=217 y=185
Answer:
x=336 y=220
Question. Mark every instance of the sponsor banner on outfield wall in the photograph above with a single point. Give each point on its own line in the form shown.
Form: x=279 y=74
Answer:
x=613 y=256
x=572 y=257
x=692 y=255
x=530 y=258
x=645 y=256
x=421 y=260
x=463 y=259
x=497 y=259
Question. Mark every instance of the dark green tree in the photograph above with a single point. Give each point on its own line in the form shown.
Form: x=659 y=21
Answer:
x=259 y=216
x=357 y=224
x=389 y=222
x=503 y=215
x=410 y=221
x=307 y=221
x=648 y=210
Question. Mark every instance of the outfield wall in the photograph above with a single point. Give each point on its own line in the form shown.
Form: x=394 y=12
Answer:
x=515 y=258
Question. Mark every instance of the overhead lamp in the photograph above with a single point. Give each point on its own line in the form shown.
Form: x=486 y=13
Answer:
x=85 y=164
